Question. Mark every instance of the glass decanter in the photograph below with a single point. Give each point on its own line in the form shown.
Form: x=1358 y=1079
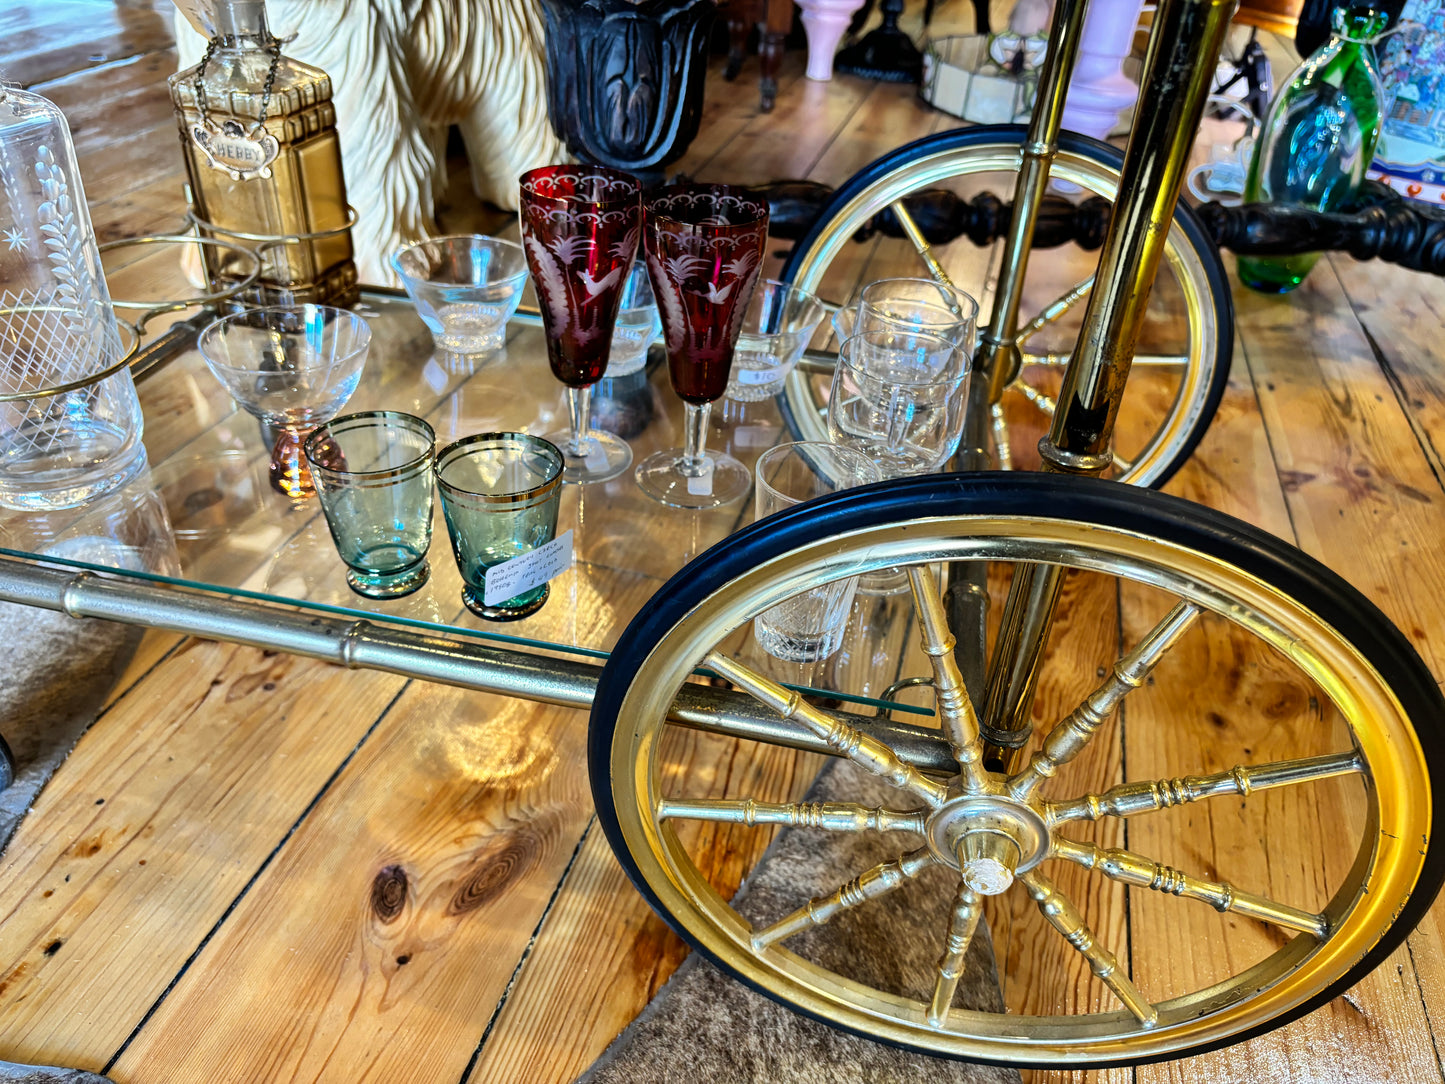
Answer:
x=258 y=131
x=70 y=422
x=1318 y=139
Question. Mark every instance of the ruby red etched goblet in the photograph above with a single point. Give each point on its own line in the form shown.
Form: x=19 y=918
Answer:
x=704 y=247
x=580 y=227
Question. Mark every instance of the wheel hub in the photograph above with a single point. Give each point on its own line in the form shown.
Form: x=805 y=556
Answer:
x=987 y=838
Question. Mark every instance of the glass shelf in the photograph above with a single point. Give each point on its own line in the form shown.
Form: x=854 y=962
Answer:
x=205 y=517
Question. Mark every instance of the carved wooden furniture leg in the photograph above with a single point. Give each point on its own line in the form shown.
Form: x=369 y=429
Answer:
x=776 y=22
x=741 y=14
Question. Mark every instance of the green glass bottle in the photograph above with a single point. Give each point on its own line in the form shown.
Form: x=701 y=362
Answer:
x=1318 y=139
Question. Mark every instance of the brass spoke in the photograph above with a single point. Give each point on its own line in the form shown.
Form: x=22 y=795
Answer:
x=1061 y=305
x=920 y=243
x=1070 y=737
x=878 y=881
x=1063 y=916
x=1127 y=799
x=1044 y=402
x=967 y=909
x=866 y=751
x=831 y=816
x=955 y=709
x=1134 y=869
x=1003 y=453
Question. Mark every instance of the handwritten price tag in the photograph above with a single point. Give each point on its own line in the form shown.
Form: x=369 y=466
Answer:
x=759 y=376
x=528 y=570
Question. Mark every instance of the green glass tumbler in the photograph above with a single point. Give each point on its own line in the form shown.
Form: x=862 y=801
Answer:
x=500 y=493
x=373 y=473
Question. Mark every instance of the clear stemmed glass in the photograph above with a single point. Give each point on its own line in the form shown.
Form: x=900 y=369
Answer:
x=580 y=228
x=704 y=248
x=293 y=367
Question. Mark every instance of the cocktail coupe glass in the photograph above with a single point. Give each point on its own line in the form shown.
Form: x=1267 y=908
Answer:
x=293 y=368
x=580 y=227
x=704 y=247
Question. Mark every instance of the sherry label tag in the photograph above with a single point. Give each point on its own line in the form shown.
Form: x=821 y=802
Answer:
x=528 y=570
x=232 y=151
x=701 y=486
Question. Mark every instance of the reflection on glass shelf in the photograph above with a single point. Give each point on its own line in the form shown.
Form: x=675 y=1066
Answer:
x=127 y=530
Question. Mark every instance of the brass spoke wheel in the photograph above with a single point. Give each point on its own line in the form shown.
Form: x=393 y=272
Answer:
x=1182 y=360
x=1225 y=819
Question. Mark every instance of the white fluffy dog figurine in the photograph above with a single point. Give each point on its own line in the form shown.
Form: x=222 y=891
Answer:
x=402 y=73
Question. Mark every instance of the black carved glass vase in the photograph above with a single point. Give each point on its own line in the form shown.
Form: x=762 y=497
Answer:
x=625 y=80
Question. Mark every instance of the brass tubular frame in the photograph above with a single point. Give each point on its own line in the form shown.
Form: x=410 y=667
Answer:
x=482 y=667
x=1183 y=49
x=1178 y=67
x=997 y=357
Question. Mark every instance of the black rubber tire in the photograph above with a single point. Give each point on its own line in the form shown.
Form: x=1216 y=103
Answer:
x=1085 y=147
x=1086 y=501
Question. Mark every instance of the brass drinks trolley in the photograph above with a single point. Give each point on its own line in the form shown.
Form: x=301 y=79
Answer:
x=973 y=794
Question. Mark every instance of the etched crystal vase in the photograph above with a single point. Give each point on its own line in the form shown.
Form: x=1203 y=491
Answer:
x=70 y=422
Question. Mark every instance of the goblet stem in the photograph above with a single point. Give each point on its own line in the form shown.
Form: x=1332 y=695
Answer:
x=694 y=462
x=579 y=406
x=289 y=473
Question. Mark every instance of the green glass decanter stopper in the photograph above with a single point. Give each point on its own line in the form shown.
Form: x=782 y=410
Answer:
x=1318 y=139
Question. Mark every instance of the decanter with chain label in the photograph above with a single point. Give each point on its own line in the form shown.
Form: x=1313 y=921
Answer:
x=258 y=131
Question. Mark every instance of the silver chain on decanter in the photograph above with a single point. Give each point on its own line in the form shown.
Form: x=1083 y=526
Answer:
x=203 y=105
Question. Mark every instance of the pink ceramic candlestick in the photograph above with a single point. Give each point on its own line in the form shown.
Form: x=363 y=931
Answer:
x=1099 y=91
x=824 y=21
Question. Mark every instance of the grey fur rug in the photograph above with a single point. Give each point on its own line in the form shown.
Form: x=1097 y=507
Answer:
x=55 y=676
x=704 y=1025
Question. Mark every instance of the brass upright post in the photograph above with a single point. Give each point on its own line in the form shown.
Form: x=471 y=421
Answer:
x=997 y=357
x=1183 y=50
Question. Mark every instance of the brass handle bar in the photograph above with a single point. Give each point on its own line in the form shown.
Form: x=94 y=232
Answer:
x=362 y=644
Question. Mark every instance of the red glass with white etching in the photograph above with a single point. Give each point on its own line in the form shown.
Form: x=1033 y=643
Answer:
x=704 y=247
x=580 y=227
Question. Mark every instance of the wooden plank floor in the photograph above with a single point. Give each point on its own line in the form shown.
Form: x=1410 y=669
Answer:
x=239 y=874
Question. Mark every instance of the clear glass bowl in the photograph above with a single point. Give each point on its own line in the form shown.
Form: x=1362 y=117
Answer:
x=293 y=368
x=465 y=288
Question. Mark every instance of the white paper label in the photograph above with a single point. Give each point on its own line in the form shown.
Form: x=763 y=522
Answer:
x=528 y=570
x=596 y=459
x=758 y=376
x=701 y=486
